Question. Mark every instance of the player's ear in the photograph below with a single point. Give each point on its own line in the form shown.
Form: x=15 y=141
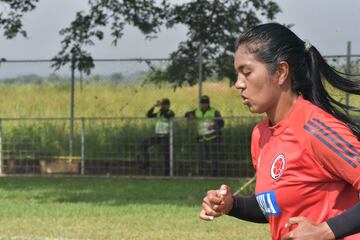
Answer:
x=282 y=72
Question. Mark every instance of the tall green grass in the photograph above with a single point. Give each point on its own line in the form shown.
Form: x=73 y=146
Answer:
x=97 y=100
x=105 y=100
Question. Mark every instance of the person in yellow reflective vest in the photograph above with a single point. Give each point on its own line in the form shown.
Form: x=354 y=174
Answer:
x=209 y=142
x=161 y=138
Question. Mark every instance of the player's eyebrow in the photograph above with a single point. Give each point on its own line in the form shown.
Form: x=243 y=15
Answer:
x=241 y=67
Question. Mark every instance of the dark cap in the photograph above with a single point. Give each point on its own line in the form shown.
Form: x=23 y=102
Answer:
x=165 y=101
x=205 y=99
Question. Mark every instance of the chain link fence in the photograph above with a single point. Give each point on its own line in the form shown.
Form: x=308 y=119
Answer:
x=115 y=146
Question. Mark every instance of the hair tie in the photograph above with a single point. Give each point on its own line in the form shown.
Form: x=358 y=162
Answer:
x=307 y=45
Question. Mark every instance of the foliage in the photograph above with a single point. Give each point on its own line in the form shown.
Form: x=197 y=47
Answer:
x=11 y=16
x=87 y=27
x=214 y=27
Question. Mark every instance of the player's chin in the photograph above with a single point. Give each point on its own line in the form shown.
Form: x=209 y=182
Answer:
x=254 y=108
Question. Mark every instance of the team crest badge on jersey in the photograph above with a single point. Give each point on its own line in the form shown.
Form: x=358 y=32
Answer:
x=278 y=166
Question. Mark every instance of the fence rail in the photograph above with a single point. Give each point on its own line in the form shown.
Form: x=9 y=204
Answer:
x=118 y=146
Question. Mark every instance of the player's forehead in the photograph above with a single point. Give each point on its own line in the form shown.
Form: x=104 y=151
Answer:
x=244 y=58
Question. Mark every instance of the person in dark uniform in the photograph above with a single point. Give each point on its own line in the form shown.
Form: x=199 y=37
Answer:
x=161 y=137
x=209 y=142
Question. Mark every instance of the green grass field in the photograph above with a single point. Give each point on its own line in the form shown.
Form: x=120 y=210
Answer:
x=114 y=208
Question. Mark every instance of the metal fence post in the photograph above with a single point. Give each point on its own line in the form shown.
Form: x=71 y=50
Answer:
x=171 y=148
x=1 y=149
x=348 y=71
x=72 y=106
x=200 y=59
x=82 y=160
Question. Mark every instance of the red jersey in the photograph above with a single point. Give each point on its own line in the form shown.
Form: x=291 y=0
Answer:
x=307 y=165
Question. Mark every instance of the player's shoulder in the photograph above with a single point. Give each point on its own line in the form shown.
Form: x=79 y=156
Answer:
x=325 y=126
x=323 y=129
x=308 y=113
x=318 y=119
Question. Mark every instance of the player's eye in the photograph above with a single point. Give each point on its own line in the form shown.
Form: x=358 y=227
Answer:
x=246 y=74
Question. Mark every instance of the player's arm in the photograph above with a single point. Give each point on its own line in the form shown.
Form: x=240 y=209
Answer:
x=337 y=149
x=221 y=201
x=347 y=223
x=247 y=208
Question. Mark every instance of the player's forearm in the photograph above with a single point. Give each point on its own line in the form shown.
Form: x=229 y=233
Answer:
x=247 y=208
x=347 y=223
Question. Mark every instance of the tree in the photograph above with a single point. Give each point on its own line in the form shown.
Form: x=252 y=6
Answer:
x=215 y=26
x=146 y=15
x=11 y=14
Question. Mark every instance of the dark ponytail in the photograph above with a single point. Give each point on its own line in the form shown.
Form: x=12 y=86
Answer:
x=272 y=43
x=320 y=69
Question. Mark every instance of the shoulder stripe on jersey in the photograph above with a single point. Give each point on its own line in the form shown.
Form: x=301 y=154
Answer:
x=327 y=135
x=307 y=128
x=338 y=136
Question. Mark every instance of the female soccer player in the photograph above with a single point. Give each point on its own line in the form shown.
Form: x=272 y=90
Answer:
x=306 y=152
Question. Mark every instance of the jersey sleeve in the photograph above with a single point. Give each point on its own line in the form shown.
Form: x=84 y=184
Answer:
x=335 y=147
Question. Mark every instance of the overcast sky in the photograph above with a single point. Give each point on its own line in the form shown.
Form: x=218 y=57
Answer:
x=328 y=24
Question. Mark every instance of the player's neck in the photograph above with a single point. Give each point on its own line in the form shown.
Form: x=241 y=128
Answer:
x=282 y=107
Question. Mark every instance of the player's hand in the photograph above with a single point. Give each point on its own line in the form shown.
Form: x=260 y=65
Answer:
x=307 y=230
x=216 y=203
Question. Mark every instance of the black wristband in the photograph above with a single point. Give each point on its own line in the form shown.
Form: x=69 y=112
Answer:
x=347 y=223
x=247 y=208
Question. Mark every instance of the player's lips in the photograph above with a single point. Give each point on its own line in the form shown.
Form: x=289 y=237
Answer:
x=245 y=99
